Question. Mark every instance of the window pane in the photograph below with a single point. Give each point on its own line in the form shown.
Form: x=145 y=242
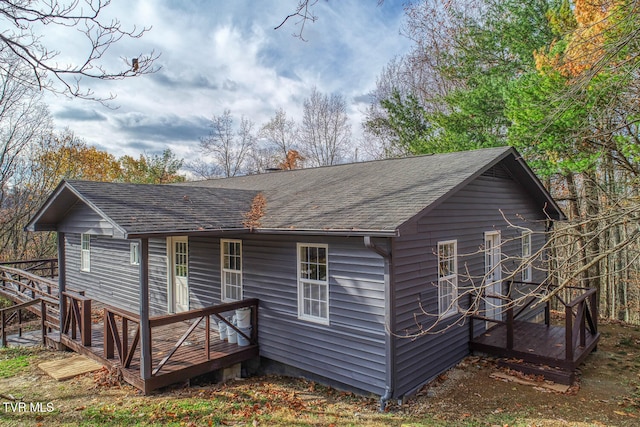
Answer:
x=313 y=284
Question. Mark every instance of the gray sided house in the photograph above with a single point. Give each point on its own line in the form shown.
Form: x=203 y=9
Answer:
x=342 y=259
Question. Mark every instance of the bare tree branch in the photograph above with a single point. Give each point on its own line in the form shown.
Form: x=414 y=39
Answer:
x=22 y=20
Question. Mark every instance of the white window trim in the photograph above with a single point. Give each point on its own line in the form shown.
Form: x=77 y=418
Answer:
x=134 y=253
x=223 y=270
x=301 y=282
x=449 y=280
x=85 y=254
x=527 y=275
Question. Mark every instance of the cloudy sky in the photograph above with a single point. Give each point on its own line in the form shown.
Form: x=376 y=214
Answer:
x=222 y=54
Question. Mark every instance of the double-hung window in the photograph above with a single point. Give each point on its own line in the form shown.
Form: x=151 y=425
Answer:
x=231 y=270
x=85 y=252
x=313 y=282
x=526 y=256
x=447 y=278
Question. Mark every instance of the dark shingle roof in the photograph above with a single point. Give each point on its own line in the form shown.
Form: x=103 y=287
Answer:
x=377 y=196
x=149 y=209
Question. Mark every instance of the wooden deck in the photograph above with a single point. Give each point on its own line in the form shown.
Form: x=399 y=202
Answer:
x=542 y=348
x=179 y=349
x=182 y=345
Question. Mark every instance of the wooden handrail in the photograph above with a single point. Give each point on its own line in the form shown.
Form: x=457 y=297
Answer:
x=205 y=313
x=200 y=312
x=43 y=316
x=30 y=261
x=579 y=299
x=48 y=265
x=33 y=284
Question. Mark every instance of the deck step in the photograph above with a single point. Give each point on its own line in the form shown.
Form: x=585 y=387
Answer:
x=557 y=375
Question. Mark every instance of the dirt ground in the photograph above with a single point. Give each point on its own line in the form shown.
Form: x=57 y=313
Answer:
x=607 y=391
x=607 y=394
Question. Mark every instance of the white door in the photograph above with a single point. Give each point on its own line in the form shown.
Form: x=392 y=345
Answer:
x=493 y=275
x=180 y=273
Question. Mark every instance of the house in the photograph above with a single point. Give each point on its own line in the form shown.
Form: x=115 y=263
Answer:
x=342 y=259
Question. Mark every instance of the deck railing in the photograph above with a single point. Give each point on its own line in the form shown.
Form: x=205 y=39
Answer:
x=580 y=313
x=119 y=338
x=30 y=292
x=77 y=316
x=196 y=316
x=27 y=285
x=11 y=313
x=47 y=267
x=118 y=323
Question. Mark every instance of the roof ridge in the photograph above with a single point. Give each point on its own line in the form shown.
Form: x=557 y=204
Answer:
x=366 y=162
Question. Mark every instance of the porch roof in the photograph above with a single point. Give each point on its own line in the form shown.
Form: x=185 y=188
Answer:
x=373 y=198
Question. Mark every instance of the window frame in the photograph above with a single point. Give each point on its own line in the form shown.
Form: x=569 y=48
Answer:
x=85 y=253
x=527 y=274
x=450 y=280
x=134 y=253
x=324 y=318
x=223 y=271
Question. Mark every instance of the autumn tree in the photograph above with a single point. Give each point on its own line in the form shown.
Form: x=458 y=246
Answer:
x=72 y=158
x=151 y=169
x=448 y=93
x=556 y=79
x=576 y=118
x=325 y=131
x=46 y=65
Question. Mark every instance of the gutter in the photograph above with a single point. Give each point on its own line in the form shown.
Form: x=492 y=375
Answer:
x=295 y=231
x=389 y=314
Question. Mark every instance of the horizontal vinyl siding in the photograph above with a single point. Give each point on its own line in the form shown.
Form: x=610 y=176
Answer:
x=158 y=277
x=112 y=279
x=465 y=217
x=350 y=349
x=204 y=272
x=82 y=219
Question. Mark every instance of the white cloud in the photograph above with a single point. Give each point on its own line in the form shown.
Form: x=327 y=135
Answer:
x=225 y=55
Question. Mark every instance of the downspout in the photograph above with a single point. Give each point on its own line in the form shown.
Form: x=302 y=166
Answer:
x=390 y=348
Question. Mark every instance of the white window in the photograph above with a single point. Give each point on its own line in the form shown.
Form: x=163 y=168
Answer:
x=85 y=252
x=134 y=253
x=231 y=270
x=526 y=256
x=313 y=282
x=447 y=277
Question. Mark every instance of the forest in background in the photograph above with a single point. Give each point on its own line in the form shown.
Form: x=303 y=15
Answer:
x=557 y=79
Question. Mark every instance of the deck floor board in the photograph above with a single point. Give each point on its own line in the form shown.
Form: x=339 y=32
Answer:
x=534 y=343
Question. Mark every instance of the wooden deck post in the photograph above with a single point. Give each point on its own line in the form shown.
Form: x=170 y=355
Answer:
x=4 y=330
x=510 y=328
x=108 y=336
x=145 y=332
x=62 y=283
x=568 y=321
x=85 y=319
x=43 y=321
